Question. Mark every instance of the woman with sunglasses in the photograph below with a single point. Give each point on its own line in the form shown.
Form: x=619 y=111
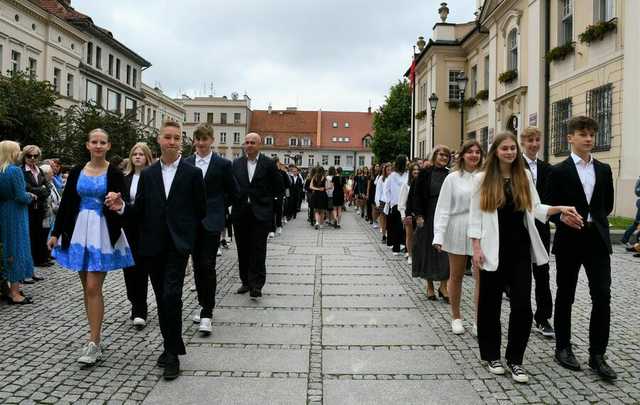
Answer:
x=36 y=182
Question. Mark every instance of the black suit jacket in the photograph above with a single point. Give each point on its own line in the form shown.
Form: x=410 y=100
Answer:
x=39 y=188
x=542 y=186
x=70 y=206
x=162 y=219
x=259 y=193
x=565 y=188
x=220 y=186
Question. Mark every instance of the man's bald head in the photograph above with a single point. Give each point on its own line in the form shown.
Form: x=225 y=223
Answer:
x=252 y=144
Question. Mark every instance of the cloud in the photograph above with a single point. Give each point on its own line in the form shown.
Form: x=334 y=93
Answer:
x=334 y=54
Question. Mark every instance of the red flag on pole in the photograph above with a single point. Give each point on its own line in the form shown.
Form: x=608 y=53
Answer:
x=412 y=72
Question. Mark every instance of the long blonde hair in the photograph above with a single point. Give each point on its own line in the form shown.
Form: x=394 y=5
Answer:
x=492 y=188
x=145 y=151
x=9 y=153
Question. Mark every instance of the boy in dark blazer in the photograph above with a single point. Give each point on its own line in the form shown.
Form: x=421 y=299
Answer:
x=169 y=207
x=587 y=184
x=530 y=139
x=259 y=182
x=219 y=186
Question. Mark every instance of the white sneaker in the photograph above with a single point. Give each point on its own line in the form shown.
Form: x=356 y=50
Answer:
x=409 y=260
x=457 y=327
x=406 y=255
x=495 y=367
x=205 y=326
x=518 y=374
x=397 y=253
x=219 y=252
x=284 y=220
x=279 y=231
x=90 y=354
x=474 y=330
x=196 y=318
x=192 y=288
x=139 y=322
x=271 y=235
x=402 y=247
x=375 y=226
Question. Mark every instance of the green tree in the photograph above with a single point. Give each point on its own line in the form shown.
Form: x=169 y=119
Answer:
x=391 y=124
x=124 y=131
x=28 y=113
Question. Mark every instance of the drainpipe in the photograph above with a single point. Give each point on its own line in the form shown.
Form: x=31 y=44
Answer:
x=547 y=78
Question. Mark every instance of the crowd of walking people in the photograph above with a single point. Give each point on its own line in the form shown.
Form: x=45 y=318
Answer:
x=483 y=213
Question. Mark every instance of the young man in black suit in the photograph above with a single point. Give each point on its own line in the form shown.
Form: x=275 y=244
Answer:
x=259 y=182
x=220 y=186
x=169 y=207
x=587 y=184
x=530 y=139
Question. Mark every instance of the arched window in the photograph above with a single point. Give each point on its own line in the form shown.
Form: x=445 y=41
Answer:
x=512 y=48
x=268 y=140
x=366 y=141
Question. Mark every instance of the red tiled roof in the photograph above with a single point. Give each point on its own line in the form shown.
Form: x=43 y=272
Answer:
x=61 y=9
x=284 y=124
x=360 y=126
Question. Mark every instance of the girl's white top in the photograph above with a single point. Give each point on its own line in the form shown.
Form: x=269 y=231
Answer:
x=392 y=187
x=451 y=217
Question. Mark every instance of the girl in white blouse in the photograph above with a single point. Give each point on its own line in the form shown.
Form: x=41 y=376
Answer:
x=405 y=206
x=380 y=199
x=392 y=187
x=450 y=226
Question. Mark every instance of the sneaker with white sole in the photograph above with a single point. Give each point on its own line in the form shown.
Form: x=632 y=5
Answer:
x=139 y=323
x=496 y=367
x=192 y=288
x=474 y=330
x=272 y=235
x=219 y=253
x=205 y=326
x=279 y=231
x=518 y=374
x=545 y=329
x=457 y=327
x=90 y=354
x=196 y=318
x=409 y=260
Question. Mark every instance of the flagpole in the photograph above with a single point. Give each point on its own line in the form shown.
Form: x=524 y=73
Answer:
x=412 y=79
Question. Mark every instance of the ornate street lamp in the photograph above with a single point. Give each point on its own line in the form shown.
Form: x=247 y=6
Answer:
x=433 y=102
x=462 y=86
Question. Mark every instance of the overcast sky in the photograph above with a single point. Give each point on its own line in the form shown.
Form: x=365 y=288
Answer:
x=329 y=54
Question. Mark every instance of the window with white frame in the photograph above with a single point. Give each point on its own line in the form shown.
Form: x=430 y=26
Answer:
x=336 y=160
x=604 y=10
x=360 y=161
x=512 y=49
x=565 y=33
x=454 y=91
x=236 y=155
x=223 y=138
x=236 y=138
x=325 y=160
x=293 y=141
x=474 y=80
x=268 y=140
x=196 y=117
x=334 y=124
x=89 y=53
x=287 y=159
x=312 y=161
x=274 y=156
x=349 y=161
x=600 y=108
x=346 y=125
x=57 y=77
x=15 y=62
x=486 y=72
x=33 y=68
x=334 y=139
x=69 y=85
x=367 y=142
x=306 y=142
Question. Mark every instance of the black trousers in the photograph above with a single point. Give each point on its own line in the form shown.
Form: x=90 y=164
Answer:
x=591 y=253
x=544 y=302
x=228 y=224
x=38 y=238
x=514 y=272
x=166 y=271
x=204 y=270
x=277 y=214
x=251 y=241
x=136 y=280
x=395 y=230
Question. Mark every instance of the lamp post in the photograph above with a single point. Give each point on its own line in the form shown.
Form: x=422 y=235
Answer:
x=462 y=86
x=433 y=102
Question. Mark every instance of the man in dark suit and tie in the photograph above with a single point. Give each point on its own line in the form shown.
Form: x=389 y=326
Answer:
x=295 y=192
x=587 y=184
x=259 y=182
x=169 y=207
x=220 y=186
x=530 y=139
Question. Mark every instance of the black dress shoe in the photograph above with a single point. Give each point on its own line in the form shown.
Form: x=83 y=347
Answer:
x=600 y=366
x=567 y=359
x=38 y=278
x=255 y=293
x=243 y=290
x=28 y=281
x=172 y=368
x=162 y=360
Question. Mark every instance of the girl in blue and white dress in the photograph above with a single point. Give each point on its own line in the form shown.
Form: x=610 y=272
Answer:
x=87 y=238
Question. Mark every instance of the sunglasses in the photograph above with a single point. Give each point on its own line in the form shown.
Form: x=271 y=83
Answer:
x=32 y=156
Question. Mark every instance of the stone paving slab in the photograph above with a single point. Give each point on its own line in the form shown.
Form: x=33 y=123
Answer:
x=289 y=289
x=249 y=315
x=337 y=336
x=228 y=359
x=257 y=335
x=289 y=278
x=316 y=250
x=357 y=280
x=366 y=302
x=388 y=362
x=355 y=270
x=362 y=290
x=348 y=392
x=289 y=270
x=385 y=317
x=229 y=390
x=284 y=301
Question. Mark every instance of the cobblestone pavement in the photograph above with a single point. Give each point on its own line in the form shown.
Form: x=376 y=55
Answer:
x=341 y=322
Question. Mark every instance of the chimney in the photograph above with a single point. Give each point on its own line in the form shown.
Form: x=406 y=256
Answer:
x=269 y=109
x=369 y=110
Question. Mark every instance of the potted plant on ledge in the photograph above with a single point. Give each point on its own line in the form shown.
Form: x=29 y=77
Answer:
x=421 y=114
x=482 y=95
x=597 y=31
x=560 y=52
x=508 y=76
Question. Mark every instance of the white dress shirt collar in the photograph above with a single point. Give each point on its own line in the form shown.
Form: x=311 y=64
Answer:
x=578 y=160
x=533 y=161
x=206 y=159
x=168 y=173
